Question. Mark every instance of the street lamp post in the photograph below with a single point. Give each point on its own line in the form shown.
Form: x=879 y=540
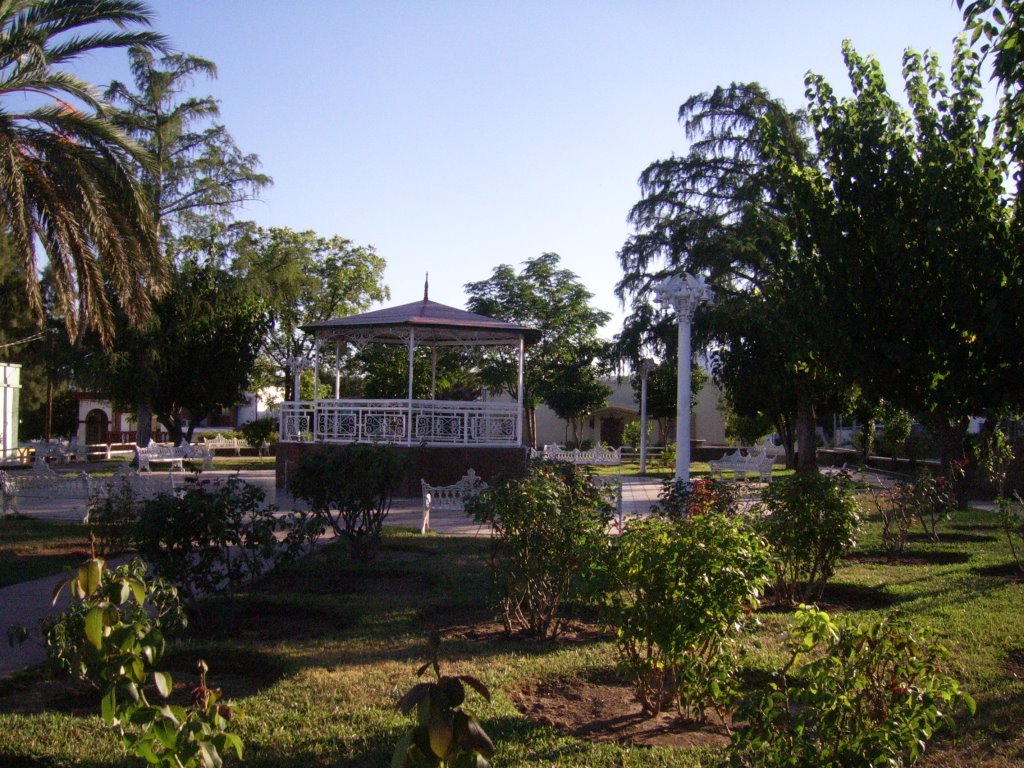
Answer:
x=646 y=366
x=683 y=293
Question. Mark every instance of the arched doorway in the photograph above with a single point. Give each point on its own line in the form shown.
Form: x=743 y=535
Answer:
x=96 y=427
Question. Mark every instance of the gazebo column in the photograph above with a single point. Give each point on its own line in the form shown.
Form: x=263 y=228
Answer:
x=519 y=389
x=412 y=358
x=337 y=369
x=433 y=373
x=316 y=369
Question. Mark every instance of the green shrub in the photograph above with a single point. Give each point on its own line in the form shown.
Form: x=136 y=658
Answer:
x=848 y=697
x=260 y=432
x=809 y=519
x=684 y=499
x=549 y=528
x=897 y=518
x=218 y=536
x=112 y=518
x=679 y=591
x=631 y=434
x=349 y=489
x=1012 y=522
x=151 y=610
x=928 y=499
x=667 y=459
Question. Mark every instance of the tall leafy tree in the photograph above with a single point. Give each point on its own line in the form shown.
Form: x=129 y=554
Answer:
x=198 y=176
x=194 y=182
x=551 y=299
x=67 y=174
x=918 y=275
x=715 y=211
x=199 y=351
x=305 y=278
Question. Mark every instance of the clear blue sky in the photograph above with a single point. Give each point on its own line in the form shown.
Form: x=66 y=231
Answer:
x=456 y=136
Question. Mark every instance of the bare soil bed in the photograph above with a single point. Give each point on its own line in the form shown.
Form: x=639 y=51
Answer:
x=602 y=708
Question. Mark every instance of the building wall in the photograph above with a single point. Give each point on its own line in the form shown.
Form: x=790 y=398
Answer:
x=10 y=401
x=707 y=422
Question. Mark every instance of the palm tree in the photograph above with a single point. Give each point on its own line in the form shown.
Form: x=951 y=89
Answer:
x=67 y=173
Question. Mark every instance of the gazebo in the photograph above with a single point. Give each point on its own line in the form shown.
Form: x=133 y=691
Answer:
x=445 y=436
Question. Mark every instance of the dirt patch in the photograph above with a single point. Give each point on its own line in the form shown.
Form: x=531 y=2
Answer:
x=1014 y=664
x=602 y=708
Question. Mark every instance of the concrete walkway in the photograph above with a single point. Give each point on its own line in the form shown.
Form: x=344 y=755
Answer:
x=25 y=604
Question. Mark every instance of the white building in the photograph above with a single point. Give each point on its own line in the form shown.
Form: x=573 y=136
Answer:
x=606 y=424
x=10 y=397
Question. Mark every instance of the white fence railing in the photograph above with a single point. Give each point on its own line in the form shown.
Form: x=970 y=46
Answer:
x=421 y=422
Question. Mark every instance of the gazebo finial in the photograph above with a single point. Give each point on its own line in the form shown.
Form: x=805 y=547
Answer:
x=426 y=287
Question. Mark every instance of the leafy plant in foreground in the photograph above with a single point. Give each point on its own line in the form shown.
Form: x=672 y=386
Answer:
x=120 y=644
x=444 y=735
x=810 y=520
x=678 y=594
x=549 y=528
x=848 y=697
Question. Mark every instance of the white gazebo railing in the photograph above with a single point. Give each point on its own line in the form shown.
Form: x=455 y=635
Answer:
x=402 y=422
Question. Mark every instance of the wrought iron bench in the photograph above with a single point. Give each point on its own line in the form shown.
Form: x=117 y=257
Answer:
x=757 y=462
x=449 y=497
x=44 y=484
x=595 y=457
x=172 y=454
x=221 y=443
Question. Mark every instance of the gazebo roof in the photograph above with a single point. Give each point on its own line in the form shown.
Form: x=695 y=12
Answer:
x=432 y=324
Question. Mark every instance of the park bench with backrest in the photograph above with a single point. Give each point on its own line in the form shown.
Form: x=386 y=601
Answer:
x=449 y=497
x=221 y=443
x=175 y=455
x=597 y=456
x=754 y=461
x=42 y=484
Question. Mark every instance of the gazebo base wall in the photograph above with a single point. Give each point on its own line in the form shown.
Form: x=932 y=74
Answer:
x=438 y=465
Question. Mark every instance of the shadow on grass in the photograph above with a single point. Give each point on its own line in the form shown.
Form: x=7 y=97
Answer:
x=10 y=760
x=843 y=596
x=1008 y=571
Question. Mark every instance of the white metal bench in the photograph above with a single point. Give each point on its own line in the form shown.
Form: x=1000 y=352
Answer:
x=449 y=497
x=598 y=456
x=172 y=454
x=221 y=443
x=757 y=462
x=44 y=484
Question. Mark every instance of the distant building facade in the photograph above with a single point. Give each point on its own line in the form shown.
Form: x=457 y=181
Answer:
x=100 y=422
x=607 y=424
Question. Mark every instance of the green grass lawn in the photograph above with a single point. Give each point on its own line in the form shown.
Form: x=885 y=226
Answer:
x=317 y=656
x=31 y=549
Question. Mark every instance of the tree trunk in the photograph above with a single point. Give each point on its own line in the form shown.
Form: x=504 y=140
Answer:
x=806 y=442
x=785 y=429
x=950 y=434
x=143 y=421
